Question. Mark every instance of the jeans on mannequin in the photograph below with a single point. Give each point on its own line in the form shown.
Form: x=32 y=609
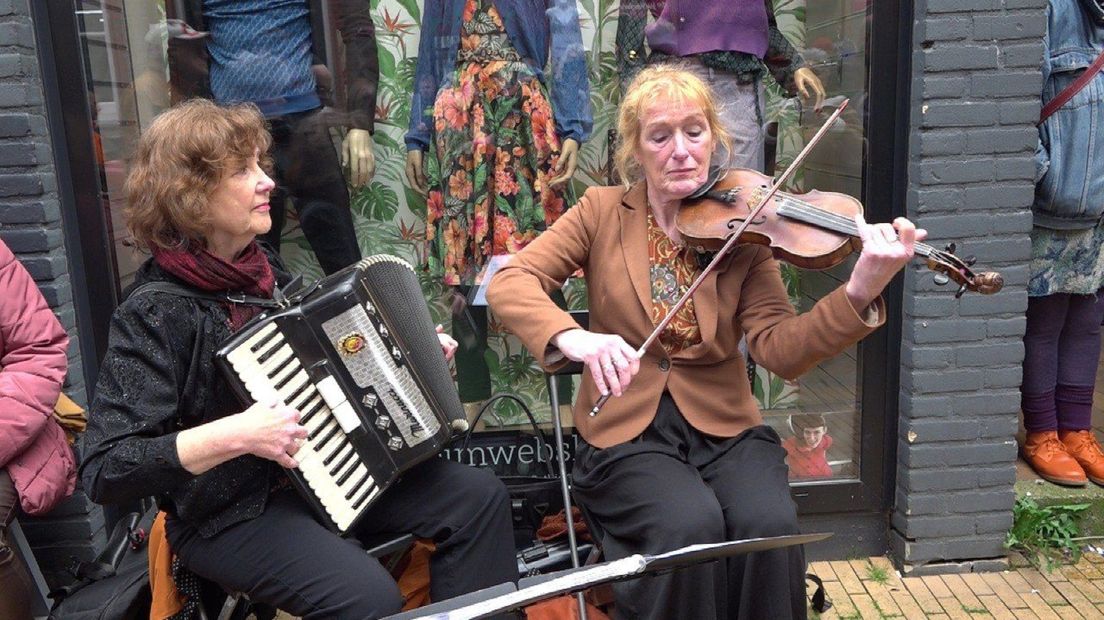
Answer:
x=306 y=167
x=469 y=328
x=15 y=580
x=742 y=113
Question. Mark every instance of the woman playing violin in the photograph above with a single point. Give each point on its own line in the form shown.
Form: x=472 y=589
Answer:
x=680 y=454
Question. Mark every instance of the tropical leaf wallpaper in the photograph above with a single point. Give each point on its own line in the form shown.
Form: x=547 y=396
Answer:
x=390 y=217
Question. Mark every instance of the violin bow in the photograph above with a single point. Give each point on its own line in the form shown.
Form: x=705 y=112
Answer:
x=731 y=243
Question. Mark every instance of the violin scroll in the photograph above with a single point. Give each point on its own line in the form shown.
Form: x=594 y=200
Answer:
x=950 y=267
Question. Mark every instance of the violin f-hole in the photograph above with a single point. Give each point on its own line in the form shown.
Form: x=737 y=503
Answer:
x=736 y=221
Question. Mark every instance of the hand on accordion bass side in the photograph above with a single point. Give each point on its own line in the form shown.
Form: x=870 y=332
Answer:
x=448 y=344
x=271 y=430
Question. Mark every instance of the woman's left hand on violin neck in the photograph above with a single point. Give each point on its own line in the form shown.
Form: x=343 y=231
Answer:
x=886 y=248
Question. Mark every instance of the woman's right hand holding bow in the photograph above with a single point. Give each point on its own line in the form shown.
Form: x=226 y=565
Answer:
x=611 y=361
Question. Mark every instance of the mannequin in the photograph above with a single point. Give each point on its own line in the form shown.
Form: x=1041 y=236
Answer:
x=488 y=146
x=729 y=48
x=272 y=53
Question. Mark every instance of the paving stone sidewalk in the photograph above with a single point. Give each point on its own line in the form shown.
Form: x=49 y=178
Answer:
x=871 y=589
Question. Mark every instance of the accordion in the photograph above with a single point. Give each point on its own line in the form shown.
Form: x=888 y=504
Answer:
x=358 y=356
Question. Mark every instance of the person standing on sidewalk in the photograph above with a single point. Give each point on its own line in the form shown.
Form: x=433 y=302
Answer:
x=1065 y=295
x=37 y=467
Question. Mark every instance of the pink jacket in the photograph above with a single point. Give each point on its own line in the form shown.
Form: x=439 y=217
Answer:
x=32 y=367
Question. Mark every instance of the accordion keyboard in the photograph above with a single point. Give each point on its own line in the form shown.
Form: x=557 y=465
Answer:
x=327 y=459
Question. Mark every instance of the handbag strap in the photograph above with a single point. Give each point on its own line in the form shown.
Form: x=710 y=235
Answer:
x=180 y=290
x=1068 y=92
x=541 y=443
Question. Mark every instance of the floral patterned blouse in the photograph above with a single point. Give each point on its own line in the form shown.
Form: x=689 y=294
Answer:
x=673 y=270
x=483 y=36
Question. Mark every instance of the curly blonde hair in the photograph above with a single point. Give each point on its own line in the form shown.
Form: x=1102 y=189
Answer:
x=671 y=83
x=180 y=160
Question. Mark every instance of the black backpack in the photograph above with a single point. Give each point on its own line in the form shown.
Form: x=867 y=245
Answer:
x=115 y=585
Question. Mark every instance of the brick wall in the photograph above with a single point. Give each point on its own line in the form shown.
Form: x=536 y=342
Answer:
x=30 y=224
x=975 y=96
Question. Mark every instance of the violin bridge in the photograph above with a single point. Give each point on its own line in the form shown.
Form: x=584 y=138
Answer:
x=756 y=197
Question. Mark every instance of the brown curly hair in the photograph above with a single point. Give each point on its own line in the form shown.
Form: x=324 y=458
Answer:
x=180 y=160
x=672 y=83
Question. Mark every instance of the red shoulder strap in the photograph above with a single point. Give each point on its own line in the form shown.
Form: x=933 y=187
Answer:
x=1068 y=92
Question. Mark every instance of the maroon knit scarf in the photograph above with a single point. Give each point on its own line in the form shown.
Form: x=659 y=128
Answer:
x=250 y=273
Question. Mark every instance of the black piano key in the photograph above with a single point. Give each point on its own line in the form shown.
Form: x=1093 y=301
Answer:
x=321 y=427
x=329 y=435
x=298 y=393
x=291 y=359
x=343 y=461
x=273 y=345
x=341 y=480
x=282 y=382
x=333 y=455
x=358 y=484
x=363 y=497
x=318 y=406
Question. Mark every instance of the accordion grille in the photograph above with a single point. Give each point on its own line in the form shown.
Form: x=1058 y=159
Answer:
x=394 y=289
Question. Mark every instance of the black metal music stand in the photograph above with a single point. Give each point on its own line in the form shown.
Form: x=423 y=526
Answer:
x=505 y=597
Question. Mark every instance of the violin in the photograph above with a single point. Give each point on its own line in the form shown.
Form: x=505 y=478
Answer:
x=814 y=230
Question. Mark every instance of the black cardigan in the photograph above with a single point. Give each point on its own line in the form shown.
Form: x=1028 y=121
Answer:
x=157 y=379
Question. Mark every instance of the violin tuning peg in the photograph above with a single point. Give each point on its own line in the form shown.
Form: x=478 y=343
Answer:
x=941 y=279
x=950 y=248
x=970 y=260
x=960 y=291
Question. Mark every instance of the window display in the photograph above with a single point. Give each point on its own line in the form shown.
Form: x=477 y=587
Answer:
x=450 y=131
x=497 y=146
x=273 y=54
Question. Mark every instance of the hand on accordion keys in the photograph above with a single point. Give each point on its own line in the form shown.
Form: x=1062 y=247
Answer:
x=270 y=430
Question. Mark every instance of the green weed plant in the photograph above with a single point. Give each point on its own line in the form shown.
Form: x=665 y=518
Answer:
x=1045 y=535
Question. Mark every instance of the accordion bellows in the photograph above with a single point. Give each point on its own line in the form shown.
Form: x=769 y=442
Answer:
x=359 y=357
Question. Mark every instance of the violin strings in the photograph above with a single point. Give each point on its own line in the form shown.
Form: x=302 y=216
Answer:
x=812 y=214
x=833 y=221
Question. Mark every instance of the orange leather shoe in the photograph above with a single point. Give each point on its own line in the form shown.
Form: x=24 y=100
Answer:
x=1048 y=457
x=1083 y=446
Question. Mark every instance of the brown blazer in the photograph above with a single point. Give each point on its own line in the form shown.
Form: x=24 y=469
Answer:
x=606 y=235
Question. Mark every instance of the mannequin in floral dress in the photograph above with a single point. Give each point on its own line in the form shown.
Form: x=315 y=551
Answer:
x=496 y=153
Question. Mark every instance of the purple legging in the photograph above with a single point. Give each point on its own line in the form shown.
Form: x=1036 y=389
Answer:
x=1061 y=353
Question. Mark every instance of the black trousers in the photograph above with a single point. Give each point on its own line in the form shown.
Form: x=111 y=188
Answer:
x=15 y=581
x=287 y=559
x=306 y=167
x=673 y=486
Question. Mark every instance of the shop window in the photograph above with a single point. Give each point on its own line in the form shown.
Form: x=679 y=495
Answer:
x=312 y=62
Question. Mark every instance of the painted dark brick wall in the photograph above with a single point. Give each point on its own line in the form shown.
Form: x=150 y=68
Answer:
x=975 y=97
x=30 y=224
